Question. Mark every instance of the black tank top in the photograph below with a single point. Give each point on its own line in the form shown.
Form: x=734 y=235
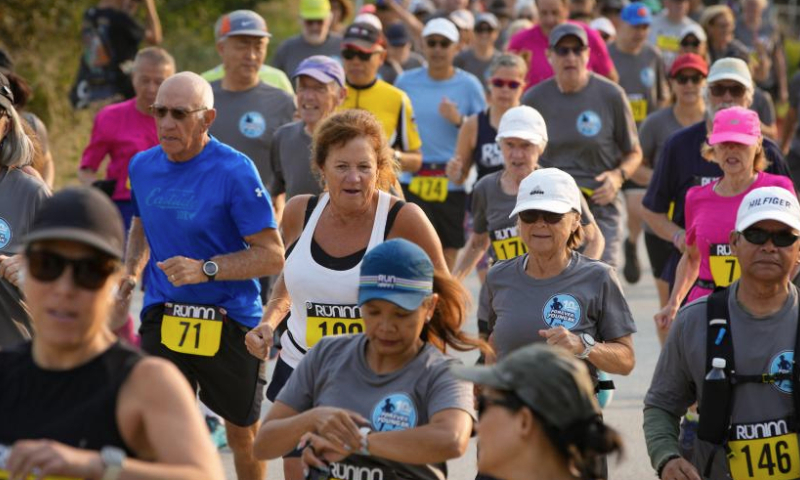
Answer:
x=76 y=407
x=487 y=156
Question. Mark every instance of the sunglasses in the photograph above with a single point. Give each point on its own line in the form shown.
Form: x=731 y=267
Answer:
x=500 y=83
x=432 y=43
x=312 y=22
x=485 y=402
x=350 y=54
x=532 y=216
x=690 y=43
x=684 y=79
x=564 y=51
x=781 y=238
x=734 y=90
x=484 y=29
x=178 y=114
x=88 y=273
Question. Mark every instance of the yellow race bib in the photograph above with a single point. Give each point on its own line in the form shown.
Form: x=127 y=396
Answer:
x=4 y=475
x=668 y=44
x=430 y=189
x=323 y=320
x=509 y=248
x=192 y=329
x=724 y=266
x=639 y=108
x=764 y=450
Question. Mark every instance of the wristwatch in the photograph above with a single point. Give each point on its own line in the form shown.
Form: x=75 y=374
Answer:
x=112 y=458
x=588 y=345
x=210 y=269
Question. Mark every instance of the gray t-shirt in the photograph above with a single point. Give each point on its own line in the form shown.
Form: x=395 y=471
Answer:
x=389 y=72
x=655 y=131
x=335 y=373
x=589 y=130
x=666 y=36
x=247 y=120
x=291 y=162
x=763 y=106
x=466 y=60
x=585 y=298
x=295 y=49
x=642 y=77
x=761 y=345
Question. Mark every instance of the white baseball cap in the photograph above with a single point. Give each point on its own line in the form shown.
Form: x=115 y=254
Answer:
x=523 y=122
x=602 y=24
x=693 y=29
x=443 y=27
x=549 y=190
x=768 y=203
x=370 y=19
x=730 y=68
x=464 y=19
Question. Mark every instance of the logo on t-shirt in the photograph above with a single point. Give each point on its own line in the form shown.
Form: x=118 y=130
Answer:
x=394 y=412
x=782 y=363
x=647 y=76
x=5 y=233
x=562 y=310
x=252 y=125
x=589 y=123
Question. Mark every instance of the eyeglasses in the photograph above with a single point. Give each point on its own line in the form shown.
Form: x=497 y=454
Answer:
x=684 y=79
x=564 y=51
x=605 y=36
x=88 y=273
x=734 y=90
x=178 y=114
x=532 y=216
x=350 y=54
x=781 y=238
x=500 y=83
x=433 y=43
x=484 y=29
x=508 y=402
x=690 y=43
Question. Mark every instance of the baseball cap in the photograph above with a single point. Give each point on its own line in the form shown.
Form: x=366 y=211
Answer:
x=443 y=27
x=609 y=5
x=731 y=69
x=80 y=214
x=499 y=8
x=6 y=95
x=768 y=203
x=689 y=60
x=240 y=22
x=487 y=18
x=315 y=9
x=464 y=19
x=397 y=35
x=364 y=37
x=547 y=379
x=693 y=29
x=397 y=271
x=566 y=30
x=369 y=18
x=322 y=68
x=550 y=190
x=418 y=7
x=735 y=124
x=522 y=122
x=636 y=13
x=602 y=24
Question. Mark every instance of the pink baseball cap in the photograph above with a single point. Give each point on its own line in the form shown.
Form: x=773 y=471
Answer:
x=736 y=124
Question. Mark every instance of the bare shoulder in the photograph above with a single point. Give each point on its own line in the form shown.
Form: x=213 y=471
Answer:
x=154 y=378
x=293 y=216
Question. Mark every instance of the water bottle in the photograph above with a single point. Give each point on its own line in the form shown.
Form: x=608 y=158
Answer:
x=715 y=404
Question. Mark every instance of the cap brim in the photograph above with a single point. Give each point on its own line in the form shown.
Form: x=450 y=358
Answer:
x=480 y=375
x=555 y=41
x=362 y=45
x=316 y=75
x=523 y=134
x=554 y=206
x=314 y=15
x=729 y=76
x=639 y=21
x=403 y=299
x=751 y=220
x=246 y=33
x=75 y=235
x=741 y=138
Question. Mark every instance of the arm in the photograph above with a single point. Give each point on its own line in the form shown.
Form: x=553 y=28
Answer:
x=465 y=145
x=593 y=240
x=153 y=36
x=410 y=161
x=613 y=179
x=476 y=246
x=87 y=176
x=137 y=252
x=781 y=76
x=789 y=125
x=661 y=430
x=414 y=226
x=414 y=25
x=685 y=276
x=664 y=228
x=279 y=202
x=613 y=356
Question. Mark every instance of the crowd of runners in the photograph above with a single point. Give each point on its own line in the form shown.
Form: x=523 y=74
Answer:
x=322 y=213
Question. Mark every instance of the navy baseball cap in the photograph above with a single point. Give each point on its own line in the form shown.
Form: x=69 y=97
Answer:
x=322 y=68
x=636 y=13
x=241 y=22
x=397 y=271
x=397 y=35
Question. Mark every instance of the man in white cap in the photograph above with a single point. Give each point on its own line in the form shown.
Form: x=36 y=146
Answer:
x=751 y=413
x=442 y=96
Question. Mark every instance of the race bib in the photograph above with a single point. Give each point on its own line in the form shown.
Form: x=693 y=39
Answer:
x=509 y=248
x=638 y=106
x=430 y=189
x=669 y=44
x=4 y=475
x=764 y=450
x=192 y=329
x=724 y=266
x=323 y=320
x=587 y=192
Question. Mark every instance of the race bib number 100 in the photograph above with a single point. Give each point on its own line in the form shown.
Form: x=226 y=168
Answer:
x=323 y=320
x=192 y=329
x=764 y=450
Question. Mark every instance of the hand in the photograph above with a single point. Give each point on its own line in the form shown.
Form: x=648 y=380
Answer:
x=449 y=111
x=454 y=169
x=339 y=426
x=11 y=268
x=259 y=340
x=666 y=316
x=183 y=271
x=319 y=452
x=122 y=302
x=42 y=458
x=611 y=183
x=564 y=338
x=679 y=469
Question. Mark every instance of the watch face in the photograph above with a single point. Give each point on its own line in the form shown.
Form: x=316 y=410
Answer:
x=587 y=339
x=210 y=268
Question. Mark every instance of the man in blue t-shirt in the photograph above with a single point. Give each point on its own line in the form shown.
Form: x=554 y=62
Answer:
x=442 y=97
x=206 y=222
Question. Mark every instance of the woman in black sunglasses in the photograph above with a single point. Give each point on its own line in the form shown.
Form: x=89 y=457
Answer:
x=76 y=403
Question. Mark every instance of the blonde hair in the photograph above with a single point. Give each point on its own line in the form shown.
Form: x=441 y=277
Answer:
x=760 y=161
x=16 y=148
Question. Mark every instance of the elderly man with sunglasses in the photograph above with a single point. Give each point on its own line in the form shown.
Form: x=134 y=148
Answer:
x=754 y=325
x=204 y=225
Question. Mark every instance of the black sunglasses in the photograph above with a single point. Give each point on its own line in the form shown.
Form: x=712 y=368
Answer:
x=508 y=402
x=684 y=79
x=351 y=53
x=500 y=83
x=781 y=238
x=690 y=43
x=432 y=43
x=160 y=111
x=484 y=29
x=564 y=51
x=719 y=90
x=532 y=216
x=89 y=273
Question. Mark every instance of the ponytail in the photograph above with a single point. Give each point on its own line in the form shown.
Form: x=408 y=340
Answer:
x=444 y=328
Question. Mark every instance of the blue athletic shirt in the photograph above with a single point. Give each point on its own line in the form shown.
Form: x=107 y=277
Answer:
x=199 y=209
x=438 y=134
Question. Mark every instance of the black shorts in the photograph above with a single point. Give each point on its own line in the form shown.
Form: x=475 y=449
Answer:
x=231 y=382
x=659 y=251
x=631 y=185
x=447 y=217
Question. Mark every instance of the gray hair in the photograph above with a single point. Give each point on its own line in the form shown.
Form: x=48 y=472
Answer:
x=712 y=110
x=510 y=60
x=155 y=55
x=16 y=148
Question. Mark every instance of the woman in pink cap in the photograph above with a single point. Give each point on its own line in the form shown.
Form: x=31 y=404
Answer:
x=707 y=262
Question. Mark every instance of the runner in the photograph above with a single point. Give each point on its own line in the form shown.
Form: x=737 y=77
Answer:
x=328 y=237
x=666 y=31
x=719 y=22
x=393 y=380
x=442 y=96
x=605 y=28
x=399 y=56
x=315 y=37
x=205 y=220
x=693 y=39
x=43 y=154
x=592 y=131
x=746 y=429
x=762 y=36
x=790 y=138
x=478 y=58
x=550 y=427
x=84 y=405
x=707 y=262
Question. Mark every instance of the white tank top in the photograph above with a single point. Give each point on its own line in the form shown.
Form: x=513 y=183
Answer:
x=324 y=301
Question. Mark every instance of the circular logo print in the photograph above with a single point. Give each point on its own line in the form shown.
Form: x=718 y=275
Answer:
x=782 y=363
x=562 y=310
x=589 y=123
x=252 y=124
x=5 y=233
x=394 y=412
x=647 y=76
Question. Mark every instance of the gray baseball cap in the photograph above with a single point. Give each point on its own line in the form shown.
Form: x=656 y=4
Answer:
x=566 y=30
x=240 y=22
x=548 y=379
